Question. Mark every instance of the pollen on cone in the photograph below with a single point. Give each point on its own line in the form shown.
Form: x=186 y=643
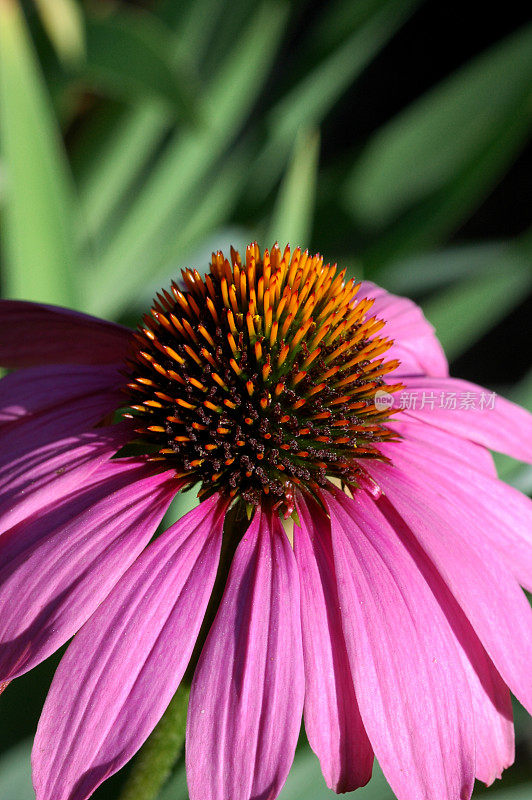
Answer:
x=239 y=377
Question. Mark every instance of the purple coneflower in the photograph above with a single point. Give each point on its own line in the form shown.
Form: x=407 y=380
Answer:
x=374 y=589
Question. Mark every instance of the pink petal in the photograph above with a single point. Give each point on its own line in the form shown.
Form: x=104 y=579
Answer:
x=248 y=688
x=462 y=449
x=46 y=456
x=35 y=334
x=123 y=667
x=332 y=720
x=416 y=344
x=492 y=707
x=43 y=434
x=57 y=566
x=504 y=513
x=36 y=389
x=453 y=535
x=505 y=427
x=409 y=680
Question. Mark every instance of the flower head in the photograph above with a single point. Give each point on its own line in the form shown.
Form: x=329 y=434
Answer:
x=260 y=376
x=391 y=618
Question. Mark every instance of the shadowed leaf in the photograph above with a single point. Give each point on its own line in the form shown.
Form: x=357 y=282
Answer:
x=132 y=54
x=307 y=104
x=471 y=307
x=440 y=135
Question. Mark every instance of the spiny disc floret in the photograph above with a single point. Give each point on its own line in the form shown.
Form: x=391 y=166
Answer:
x=260 y=376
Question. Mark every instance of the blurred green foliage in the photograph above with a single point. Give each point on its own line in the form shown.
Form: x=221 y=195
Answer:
x=135 y=140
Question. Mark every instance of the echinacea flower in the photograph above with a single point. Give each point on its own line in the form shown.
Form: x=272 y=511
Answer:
x=374 y=591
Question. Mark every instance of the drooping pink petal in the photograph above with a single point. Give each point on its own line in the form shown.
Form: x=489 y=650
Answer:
x=36 y=389
x=453 y=536
x=478 y=415
x=123 y=667
x=492 y=707
x=247 y=692
x=58 y=565
x=409 y=680
x=55 y=453
x=416 y=344
x=503 y=513
x=36 y=334
x=462 y=449
x=332 y=720
x=44 y=431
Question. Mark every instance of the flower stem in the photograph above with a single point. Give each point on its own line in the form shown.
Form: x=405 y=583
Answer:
x=154 y=762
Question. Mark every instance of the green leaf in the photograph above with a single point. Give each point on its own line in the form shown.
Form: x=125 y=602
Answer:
x=38 y=215
x=228 y=24
x=294 y=210
x=466 y=311
x=182 y=503
x=114 y=148
x=422 y=149
x=176 y=788
x=158 y=209
x=132 y=54
x=197 y=23
x=159 y=82
x=513 y=472
x=63 y=22
x=115 y=151
x=338 y=20
x=521 y=792
x=433 y=219
x=305 y=780
x=306 y=105
x=428 y=271
x=15 y=773
x=211 y=205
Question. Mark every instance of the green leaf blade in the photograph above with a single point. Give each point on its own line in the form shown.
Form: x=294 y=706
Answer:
x=469 y=308
x=160 y=205
x=420 y=151
x=153 y=70
x=294 y=210
x=39 y=224
x=311 y=99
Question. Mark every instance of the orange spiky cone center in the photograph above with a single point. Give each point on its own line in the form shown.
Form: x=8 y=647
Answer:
x=261 y=376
